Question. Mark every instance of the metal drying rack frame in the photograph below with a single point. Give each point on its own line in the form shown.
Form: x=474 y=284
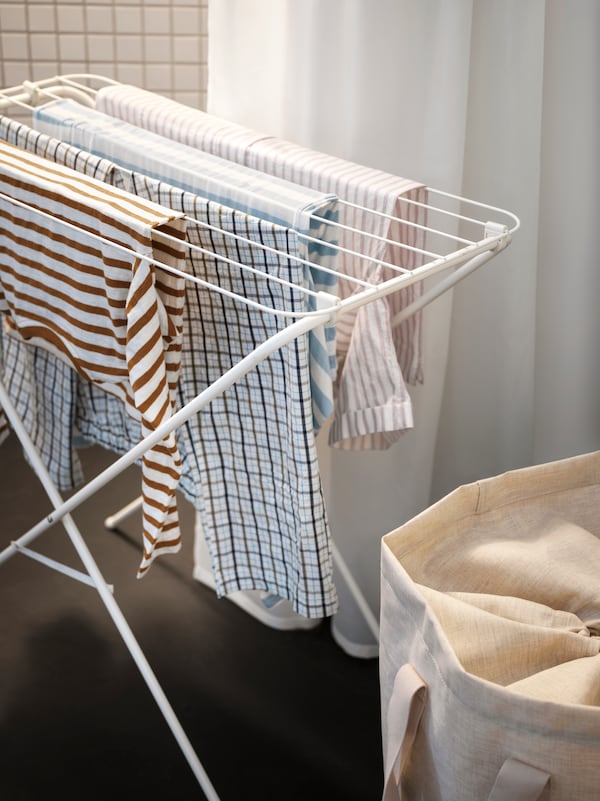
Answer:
x=458 y=258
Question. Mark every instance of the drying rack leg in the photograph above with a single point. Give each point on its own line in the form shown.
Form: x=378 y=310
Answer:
x=105 y=592
x=143 y=665
x=112 y=521
x=62 y=510
x=356 y=592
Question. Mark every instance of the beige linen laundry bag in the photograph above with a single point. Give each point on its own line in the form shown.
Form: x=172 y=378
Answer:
x=490 y=641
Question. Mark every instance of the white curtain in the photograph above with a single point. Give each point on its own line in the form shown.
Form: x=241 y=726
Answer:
x=497 y=100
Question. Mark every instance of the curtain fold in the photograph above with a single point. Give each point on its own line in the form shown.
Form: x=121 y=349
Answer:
x=493 y=99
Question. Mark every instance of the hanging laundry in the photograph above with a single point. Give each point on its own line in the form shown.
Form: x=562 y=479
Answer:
x=372 y=405
x=249 y=462
x=77 y=278
x=43 y=388
x=309 y=212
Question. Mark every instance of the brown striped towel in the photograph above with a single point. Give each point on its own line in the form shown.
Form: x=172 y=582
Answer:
x=78 y=277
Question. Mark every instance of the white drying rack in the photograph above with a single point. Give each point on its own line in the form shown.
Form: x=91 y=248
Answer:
x=456 y=256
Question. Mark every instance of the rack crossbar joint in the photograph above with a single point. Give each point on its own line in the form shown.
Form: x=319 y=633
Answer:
x=71 y=572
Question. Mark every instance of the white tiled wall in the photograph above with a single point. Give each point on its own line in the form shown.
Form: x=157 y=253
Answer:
x=159 y=45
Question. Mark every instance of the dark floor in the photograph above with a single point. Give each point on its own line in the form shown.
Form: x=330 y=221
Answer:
x=272 y=715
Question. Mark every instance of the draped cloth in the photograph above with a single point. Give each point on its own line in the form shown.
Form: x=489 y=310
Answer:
x=249 y=461
x=372 y=407
x=311 y=213
x=91 y=294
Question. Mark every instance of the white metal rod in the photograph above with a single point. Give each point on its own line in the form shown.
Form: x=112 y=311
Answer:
x=21 y=100
x=458 y=216
x=75 y=78
x=144 y=667
x=410 y=223
x=443 y=285
x=356 y=592
x=489 y=245
x=479 y=204
x=112 y=521
x=36 y=462
x=381 y=239
x=240 y=369
x=407 y=278
x=105 y=594
x=58 y=566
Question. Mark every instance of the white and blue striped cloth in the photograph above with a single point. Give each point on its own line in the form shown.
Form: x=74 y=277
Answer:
x=229 y=184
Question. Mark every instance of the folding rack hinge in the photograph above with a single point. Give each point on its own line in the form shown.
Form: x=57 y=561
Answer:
x=494 y=229
x=325 y=300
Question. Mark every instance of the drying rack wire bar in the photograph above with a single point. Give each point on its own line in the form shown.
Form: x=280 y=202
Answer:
x=83 y=87
x=497 y=239
x=80 y=87
x=208 y=285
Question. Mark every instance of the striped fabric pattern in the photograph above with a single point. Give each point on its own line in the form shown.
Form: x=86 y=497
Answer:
x=261 y=195
x=104 y=311
x=42 y=387
x=4 y=427
x=249 y=462
x=372 y=413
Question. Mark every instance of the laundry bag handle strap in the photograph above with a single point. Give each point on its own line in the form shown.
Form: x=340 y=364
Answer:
x=404 y=713
x=517 y=781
